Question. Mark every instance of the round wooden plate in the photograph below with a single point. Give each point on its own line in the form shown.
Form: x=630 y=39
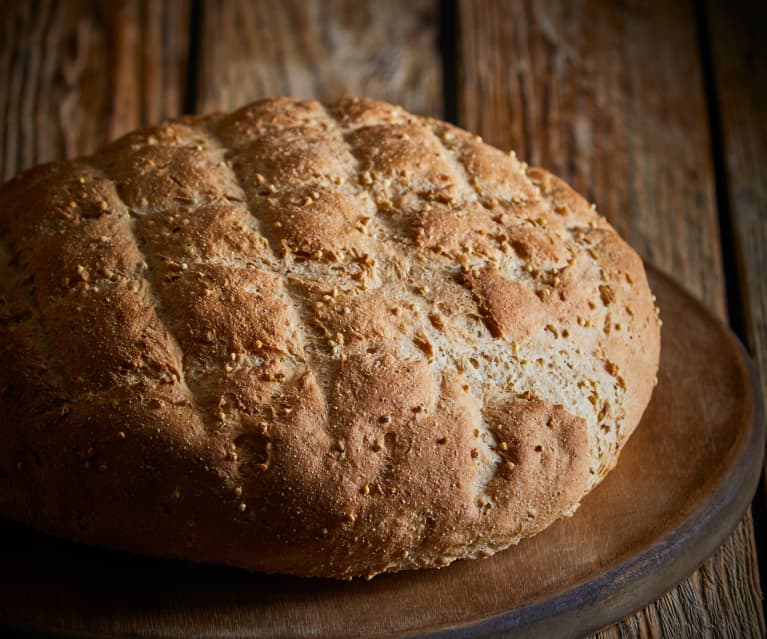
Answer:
x=683 y=482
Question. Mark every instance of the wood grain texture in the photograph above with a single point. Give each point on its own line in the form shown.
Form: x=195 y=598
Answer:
x=320 y=49
x=568 y=85
x=739 y=56
x=76 y=74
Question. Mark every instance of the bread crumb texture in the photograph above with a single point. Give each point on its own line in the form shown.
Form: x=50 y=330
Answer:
x=322 y=340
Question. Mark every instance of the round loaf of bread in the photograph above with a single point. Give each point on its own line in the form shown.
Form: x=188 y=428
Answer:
x=321 y=340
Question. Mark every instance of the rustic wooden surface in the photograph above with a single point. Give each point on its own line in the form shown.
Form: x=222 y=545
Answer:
x=739 y=57
x=75 y=74
x=642 y=530
x=566 y=84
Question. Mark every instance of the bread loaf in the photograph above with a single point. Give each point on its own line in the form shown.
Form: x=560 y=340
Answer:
x=321 y=340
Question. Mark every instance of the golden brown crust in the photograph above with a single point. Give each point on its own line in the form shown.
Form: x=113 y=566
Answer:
x=329 y=341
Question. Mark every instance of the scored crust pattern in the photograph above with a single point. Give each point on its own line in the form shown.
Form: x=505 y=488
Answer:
x=329 y=341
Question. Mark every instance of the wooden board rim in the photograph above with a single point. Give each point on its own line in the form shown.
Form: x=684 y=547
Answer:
x=585 y=607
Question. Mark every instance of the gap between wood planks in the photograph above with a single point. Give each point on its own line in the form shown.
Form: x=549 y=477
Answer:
x=735 y=300
x=189 y=105
x=448 y=37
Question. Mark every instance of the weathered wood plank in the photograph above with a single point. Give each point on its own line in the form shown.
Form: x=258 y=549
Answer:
x=318 y=49
x=75 y=74
x=739 y=63
x=611 y=97
x=739 y=52
x=569 y=87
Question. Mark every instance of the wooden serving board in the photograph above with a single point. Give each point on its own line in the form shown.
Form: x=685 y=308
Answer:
x=683 y=482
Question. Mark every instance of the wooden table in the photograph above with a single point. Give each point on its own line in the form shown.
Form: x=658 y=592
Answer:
x=655 y=110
